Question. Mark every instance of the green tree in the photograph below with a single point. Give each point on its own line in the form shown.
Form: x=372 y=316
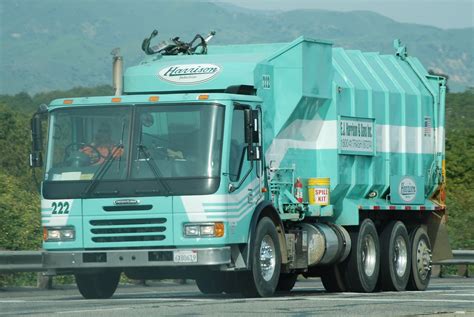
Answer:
x=460 y=168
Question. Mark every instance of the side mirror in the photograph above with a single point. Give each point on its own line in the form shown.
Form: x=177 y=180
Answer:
x=252 y=135
x=36 y=158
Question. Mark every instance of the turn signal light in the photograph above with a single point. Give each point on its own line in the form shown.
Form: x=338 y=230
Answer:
x=219 y=229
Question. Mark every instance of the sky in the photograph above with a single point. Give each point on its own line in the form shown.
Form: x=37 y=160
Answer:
x=440 y=13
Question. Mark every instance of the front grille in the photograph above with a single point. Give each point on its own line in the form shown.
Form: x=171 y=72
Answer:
x=128 y=230
x=114 y=222
x=131 y=238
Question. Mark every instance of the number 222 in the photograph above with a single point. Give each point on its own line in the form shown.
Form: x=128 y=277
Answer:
x=60 y=208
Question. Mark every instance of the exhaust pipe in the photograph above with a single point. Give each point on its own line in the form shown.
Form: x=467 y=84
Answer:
x=117 y=71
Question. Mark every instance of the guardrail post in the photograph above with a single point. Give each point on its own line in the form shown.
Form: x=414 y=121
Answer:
x=436 y=270
x=44 y=281
x=463 y=270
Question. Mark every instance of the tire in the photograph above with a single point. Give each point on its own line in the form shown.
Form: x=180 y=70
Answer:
x=211 y=283
x=232 y=285
x=420 y=273
x=333 y=279
x=97 y=285
x=395 y=257
x=286 y=282
x=262 y=279
x=361 y=269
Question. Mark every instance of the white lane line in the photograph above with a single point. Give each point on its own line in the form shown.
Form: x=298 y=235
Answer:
x=12 y=301
x=90 y=310
x=269 y=299
x=114 y=300
x=316 y=289
x=459 y=295
x=460 y=285
x=391 y=300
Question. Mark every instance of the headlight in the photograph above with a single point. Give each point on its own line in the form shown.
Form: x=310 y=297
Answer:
x=55 y=234
x=207 y=230
x=191 y=230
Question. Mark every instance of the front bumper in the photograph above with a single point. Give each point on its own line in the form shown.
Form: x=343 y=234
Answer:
x=136 y=258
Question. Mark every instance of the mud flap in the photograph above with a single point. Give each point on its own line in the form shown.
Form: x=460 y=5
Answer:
x=438 y=233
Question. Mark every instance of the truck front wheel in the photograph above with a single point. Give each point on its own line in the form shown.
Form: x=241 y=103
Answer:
x=211 y=283
x=420 y=272
x=286 y=282
x=98 y=285
x=263 y=278
x=363 y=263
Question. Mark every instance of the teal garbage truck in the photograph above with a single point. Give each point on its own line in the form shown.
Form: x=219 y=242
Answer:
x=246 y=166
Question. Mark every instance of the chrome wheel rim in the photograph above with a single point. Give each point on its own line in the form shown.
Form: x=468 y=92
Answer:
x=369 y=255
x=400 y=256
x=423 y=259
x=267 y=258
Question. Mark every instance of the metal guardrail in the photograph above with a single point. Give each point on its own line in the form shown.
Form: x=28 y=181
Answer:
x=21 y=261
x=32 y=261
x=459 y=257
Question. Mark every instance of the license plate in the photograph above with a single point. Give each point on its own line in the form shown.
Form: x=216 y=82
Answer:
x=185 y=256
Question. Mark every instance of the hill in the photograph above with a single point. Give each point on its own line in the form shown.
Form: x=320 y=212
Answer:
x=52 y=44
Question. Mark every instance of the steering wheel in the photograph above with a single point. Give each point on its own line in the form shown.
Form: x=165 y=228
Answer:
x=74 y=154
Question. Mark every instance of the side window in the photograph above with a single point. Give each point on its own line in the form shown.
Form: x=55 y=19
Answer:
x=237 y=145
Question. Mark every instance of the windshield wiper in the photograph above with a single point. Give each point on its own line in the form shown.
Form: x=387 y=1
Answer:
x=102 y=171
x=154 y=168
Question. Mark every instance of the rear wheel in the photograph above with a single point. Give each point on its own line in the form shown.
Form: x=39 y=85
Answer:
x=363 y=263
x=333 y=279
x=97 y=285
x=286 y=282
x=263 y=278
x=420 y=272
x=395 y=257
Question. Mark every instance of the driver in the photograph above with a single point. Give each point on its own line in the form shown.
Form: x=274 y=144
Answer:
x=104 y=145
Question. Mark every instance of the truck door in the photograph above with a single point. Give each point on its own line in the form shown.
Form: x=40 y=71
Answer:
x=244 y=185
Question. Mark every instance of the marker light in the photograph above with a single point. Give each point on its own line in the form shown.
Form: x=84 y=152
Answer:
x=116 y=99
x=154 y=98
x=203 y=97
x=68 y=101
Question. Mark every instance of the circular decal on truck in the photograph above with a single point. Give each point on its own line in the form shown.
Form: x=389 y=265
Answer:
x=407 y=189
x=189 y=73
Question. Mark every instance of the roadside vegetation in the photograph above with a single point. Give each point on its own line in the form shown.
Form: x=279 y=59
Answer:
x=20 y=227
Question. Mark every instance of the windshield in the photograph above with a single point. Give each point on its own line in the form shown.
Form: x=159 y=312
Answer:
x=134 y=150
x=182 y=141
x=82 y=139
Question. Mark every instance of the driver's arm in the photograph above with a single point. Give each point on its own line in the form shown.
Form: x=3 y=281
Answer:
x=175 y=154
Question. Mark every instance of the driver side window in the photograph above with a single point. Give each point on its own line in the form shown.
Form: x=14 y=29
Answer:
x=237 y=145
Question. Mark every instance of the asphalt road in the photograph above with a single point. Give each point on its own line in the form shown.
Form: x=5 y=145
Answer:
x=445 y=297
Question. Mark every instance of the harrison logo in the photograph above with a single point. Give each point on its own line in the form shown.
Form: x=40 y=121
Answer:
x=189 y=73
x=407 y=189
